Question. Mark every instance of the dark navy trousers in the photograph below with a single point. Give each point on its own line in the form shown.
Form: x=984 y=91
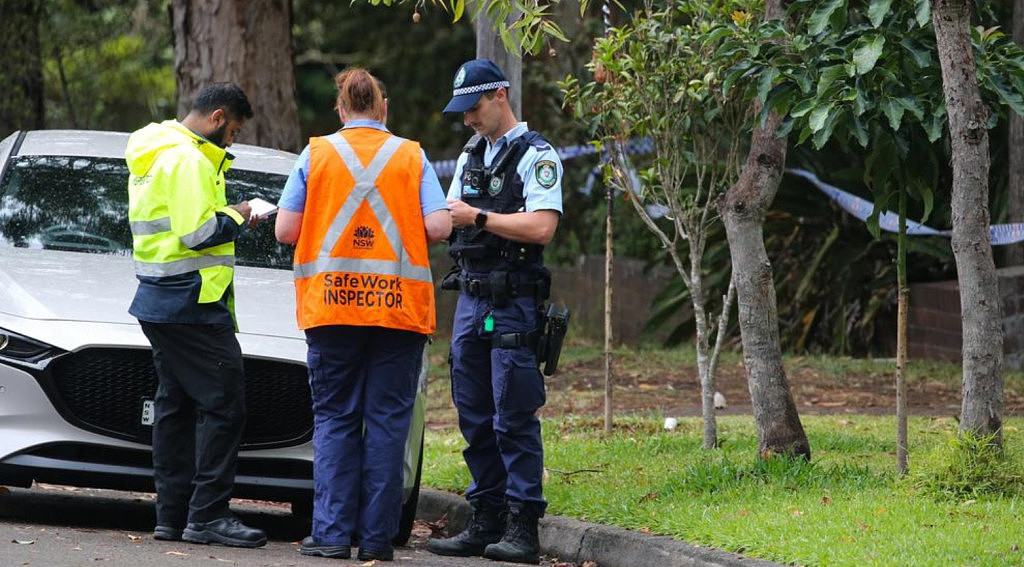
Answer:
x=497 y=393
x=363 y=382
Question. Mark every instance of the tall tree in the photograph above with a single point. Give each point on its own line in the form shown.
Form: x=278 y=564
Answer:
x=653 y=80
x=743 y=208
x=979 y=292
x=1014 y=254
x=490 y=46
x=249 y=43
x=21 y=98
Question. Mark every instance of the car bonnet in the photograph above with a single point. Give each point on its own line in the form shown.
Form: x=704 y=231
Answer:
x=72 y=286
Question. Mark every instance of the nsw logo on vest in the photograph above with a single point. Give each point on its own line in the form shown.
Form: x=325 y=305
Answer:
x=363 y=237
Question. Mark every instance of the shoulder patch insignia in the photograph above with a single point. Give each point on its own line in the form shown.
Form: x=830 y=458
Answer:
x=547 y=173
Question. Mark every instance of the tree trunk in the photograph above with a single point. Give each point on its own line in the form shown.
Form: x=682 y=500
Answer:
x=779 y=430
x=247 y=42
x=1014 y=253
x=489 y=46
x=609 y=255
x=979 y=292
x=21 y=98
x=903 y=296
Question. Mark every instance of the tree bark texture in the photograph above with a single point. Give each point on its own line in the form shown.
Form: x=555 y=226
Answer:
x=248 y=42
x=1013 y=254
x=779 y=430
x=979 y=292
x=21 y=74
x=489 y=46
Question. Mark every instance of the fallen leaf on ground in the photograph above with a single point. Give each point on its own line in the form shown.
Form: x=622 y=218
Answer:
x=825 y=500
x=589 y=564
x=134 y=537
x=176 y=554
x=23 y=541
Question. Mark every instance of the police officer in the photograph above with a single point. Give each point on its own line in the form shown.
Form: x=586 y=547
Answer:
x=183 y=235
x=505 y=203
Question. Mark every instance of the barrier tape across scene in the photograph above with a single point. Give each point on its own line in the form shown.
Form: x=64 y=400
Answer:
x=1001 y=234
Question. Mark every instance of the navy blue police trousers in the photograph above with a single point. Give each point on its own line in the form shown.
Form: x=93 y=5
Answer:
x=497 y=392
x=363 y=382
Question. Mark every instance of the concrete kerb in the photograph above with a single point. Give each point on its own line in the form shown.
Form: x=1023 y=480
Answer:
x=576 y=541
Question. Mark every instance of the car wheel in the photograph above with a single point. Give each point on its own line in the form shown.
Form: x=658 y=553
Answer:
x=409 y=508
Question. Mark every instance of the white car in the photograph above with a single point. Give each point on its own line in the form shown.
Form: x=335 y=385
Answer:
x=76 y=373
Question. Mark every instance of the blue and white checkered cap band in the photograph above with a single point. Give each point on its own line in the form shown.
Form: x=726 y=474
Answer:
x=480 y=88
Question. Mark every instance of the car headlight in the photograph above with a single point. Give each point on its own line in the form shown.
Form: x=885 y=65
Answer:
x=21 y=348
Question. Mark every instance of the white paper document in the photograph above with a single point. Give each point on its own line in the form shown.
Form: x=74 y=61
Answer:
x=262 y=209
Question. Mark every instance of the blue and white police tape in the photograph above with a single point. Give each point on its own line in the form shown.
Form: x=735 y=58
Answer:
x=1000 y=234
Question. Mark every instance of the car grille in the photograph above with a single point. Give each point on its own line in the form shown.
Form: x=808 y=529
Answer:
x=103 y=389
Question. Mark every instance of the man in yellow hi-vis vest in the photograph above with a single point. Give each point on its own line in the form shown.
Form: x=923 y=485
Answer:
x=183 y=235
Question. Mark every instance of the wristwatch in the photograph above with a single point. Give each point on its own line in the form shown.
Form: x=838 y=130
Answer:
x=481 y=218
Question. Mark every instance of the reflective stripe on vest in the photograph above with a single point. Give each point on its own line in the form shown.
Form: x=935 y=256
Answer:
x=365 y=189
x=155 y=226
x=184 y=266
x=362 y=257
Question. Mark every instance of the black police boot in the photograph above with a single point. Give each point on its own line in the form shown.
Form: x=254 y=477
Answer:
x=486 y=526
x=521 y=543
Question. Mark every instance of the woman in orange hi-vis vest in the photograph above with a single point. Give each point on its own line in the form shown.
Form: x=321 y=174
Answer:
x=361 y=205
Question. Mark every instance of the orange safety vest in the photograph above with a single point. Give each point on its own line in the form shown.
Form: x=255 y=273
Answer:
x=361 y=258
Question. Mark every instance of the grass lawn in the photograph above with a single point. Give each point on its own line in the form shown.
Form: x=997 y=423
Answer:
x=847 y=506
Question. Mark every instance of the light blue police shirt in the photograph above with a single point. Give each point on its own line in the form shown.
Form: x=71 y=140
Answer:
x=538 y=197
x=293 y=197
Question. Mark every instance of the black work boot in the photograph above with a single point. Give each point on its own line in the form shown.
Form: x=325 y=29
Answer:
x=521 y=543
x=486 y=525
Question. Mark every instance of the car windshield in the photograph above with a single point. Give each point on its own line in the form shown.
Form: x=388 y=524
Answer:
x=80 y=204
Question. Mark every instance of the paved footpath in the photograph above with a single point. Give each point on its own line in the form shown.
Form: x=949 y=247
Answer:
x=55 y=526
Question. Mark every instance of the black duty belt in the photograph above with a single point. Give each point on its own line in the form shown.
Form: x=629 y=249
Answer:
x=516 y=340
x=483 y=288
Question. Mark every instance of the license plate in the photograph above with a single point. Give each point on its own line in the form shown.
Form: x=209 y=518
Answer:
x=147 y=412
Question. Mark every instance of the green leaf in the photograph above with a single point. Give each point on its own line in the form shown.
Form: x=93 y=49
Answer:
x=922 y=57
x=912 y=104
x=878 y=10
x=816 y=120
x=868 y=52
x=829 y=75
x=802 y=108
x=459 y=8
x=822 y=136
x=819 y=20
x=923 y=12
x=933 y=128
x=893 y=111
x=765 y=82
x=860 y=132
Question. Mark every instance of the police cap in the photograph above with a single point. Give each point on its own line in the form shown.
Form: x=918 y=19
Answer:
x=473 y=79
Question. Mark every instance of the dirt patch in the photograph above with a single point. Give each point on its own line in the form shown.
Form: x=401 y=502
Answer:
x=649 y=385
x=579 y=388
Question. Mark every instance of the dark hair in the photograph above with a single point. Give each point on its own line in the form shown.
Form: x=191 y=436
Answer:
x=360 y=92
x=227 y=96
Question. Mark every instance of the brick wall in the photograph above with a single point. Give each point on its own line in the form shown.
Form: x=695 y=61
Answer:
x=934 y=327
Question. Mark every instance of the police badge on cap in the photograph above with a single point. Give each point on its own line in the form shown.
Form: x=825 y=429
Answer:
x=473 y=79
